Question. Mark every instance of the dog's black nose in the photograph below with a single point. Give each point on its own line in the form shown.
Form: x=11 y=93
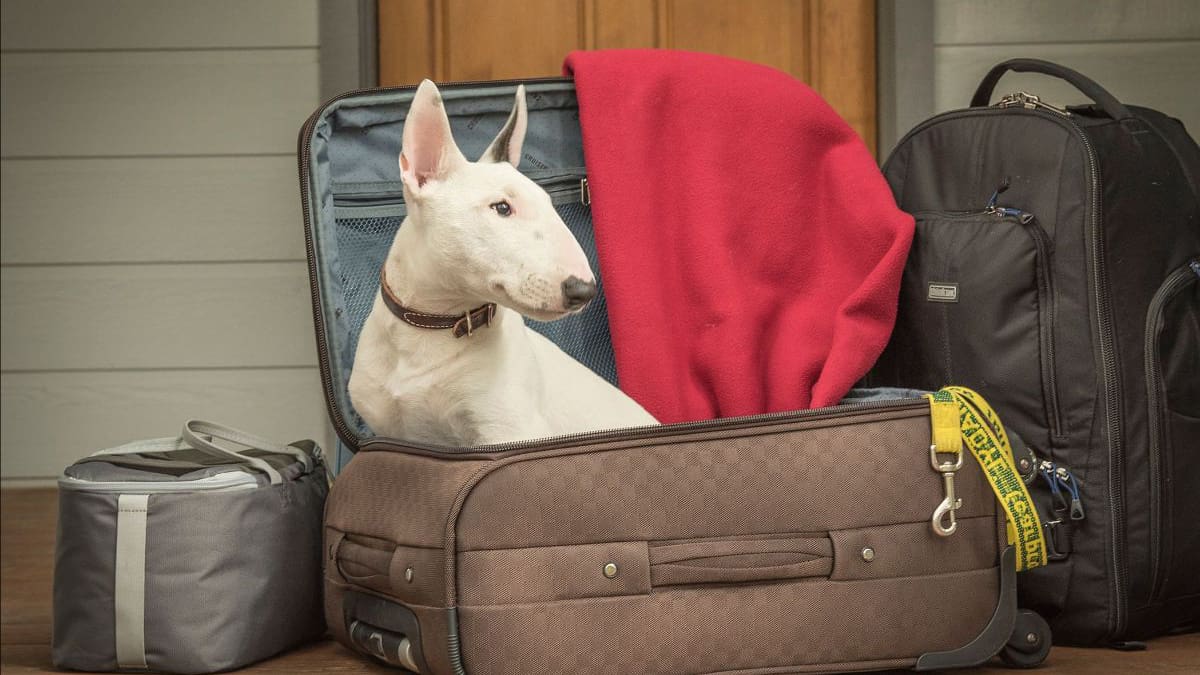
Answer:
x=577 y=292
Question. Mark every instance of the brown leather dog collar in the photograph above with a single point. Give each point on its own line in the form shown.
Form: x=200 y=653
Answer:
x=460 y=325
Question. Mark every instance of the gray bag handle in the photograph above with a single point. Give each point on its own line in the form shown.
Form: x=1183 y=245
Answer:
x=200 y=435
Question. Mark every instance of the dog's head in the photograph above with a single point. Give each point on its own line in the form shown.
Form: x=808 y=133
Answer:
x=487 y=224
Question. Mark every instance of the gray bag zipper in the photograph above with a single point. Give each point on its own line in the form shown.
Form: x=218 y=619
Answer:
x=227 y=481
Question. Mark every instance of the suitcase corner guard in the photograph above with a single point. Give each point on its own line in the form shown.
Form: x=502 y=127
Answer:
x=994 y=636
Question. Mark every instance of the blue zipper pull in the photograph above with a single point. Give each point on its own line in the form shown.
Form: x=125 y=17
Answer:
x=1067 y=479
x=1015 y=213
x=1195 y=265
x=1047 y=469
x=991 y=205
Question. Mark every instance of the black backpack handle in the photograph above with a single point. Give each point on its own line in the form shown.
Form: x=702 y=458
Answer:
x=1105 y=100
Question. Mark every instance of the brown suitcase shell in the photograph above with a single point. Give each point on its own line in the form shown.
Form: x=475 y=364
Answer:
x=784 y=543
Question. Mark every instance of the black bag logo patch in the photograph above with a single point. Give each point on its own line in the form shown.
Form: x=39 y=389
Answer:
x=942 y=291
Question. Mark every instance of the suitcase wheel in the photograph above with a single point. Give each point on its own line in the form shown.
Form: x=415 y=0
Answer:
x=1029 y=643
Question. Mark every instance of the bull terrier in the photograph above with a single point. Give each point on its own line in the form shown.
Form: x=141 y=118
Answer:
x=444 y=357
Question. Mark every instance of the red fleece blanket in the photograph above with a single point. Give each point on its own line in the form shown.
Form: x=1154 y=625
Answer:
x=749 y=247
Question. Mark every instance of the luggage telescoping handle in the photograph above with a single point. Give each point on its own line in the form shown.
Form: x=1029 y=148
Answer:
x=195 y=431
x=1083 y=83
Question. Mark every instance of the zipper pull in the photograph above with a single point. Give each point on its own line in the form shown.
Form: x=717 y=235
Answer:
x=991 y=205
x=1046 y=468
x=1030 y=102
x=1195 y=265
x=1002 y=211
x=1050 y=471
x=585 y=193
x=1067 y=480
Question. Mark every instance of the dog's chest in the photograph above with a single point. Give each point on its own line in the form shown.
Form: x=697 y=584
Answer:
x=462 y=400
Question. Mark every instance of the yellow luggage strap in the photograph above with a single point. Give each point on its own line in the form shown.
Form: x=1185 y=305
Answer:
x=958 y=414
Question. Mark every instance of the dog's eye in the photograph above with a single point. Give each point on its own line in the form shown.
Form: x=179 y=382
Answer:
x=503 y=208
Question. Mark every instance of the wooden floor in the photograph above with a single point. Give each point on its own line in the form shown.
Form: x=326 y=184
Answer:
x=27 y=518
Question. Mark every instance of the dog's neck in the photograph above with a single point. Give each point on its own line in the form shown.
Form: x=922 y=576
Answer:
x=419 y=285
x=423 y=287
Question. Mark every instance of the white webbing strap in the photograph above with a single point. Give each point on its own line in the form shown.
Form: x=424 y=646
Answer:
x=130 y=581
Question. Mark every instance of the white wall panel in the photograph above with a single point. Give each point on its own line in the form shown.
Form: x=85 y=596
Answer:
x=975 y=22
x=151 y=241
x=148 y=209
x=156 y=316
x=83 y=104
x=148 y=24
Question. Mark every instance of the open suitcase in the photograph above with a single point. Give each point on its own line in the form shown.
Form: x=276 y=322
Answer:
x=796 y=542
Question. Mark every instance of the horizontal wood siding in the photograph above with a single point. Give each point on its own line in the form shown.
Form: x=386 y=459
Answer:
x=72 y=25
x=53 y=418
x=151 y=262
x=1146 y=52
x=207 y=315
x=975 y=22
x=150 y=209
x=225 y=102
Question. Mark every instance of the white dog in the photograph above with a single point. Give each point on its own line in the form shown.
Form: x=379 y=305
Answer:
x=444 y=356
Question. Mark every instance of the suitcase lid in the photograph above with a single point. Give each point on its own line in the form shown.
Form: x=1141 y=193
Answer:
x=353 y=204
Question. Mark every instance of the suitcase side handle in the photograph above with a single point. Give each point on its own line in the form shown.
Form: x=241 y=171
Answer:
x=1089 y=87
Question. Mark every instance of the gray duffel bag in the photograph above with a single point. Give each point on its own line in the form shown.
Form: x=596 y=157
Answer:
x=184 y=555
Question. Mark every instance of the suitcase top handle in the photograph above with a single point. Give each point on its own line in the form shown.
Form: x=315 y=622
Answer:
x=1105 y=100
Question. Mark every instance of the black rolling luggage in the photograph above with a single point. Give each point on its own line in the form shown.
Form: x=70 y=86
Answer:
x=1056 y=269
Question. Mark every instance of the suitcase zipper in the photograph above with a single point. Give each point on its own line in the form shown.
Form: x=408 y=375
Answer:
x=343 y=430
x=642 y=432
x=222 y=482
x=1112 y=394
x=1174 y=283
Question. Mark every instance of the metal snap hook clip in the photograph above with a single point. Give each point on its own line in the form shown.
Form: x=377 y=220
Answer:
x=944 y=521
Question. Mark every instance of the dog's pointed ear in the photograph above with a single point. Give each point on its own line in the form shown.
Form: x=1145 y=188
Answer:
x=507 y=146
x=427 y=152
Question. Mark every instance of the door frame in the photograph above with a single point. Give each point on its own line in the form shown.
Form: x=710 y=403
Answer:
x=348 y=39
x=904 y=69
x=904 y=59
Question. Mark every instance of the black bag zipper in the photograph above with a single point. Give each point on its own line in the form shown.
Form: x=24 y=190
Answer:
x=1045 y=281
x=1179 y=279
x=1112 y=394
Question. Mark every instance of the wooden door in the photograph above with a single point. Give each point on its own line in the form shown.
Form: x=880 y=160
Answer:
x=830 y=44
